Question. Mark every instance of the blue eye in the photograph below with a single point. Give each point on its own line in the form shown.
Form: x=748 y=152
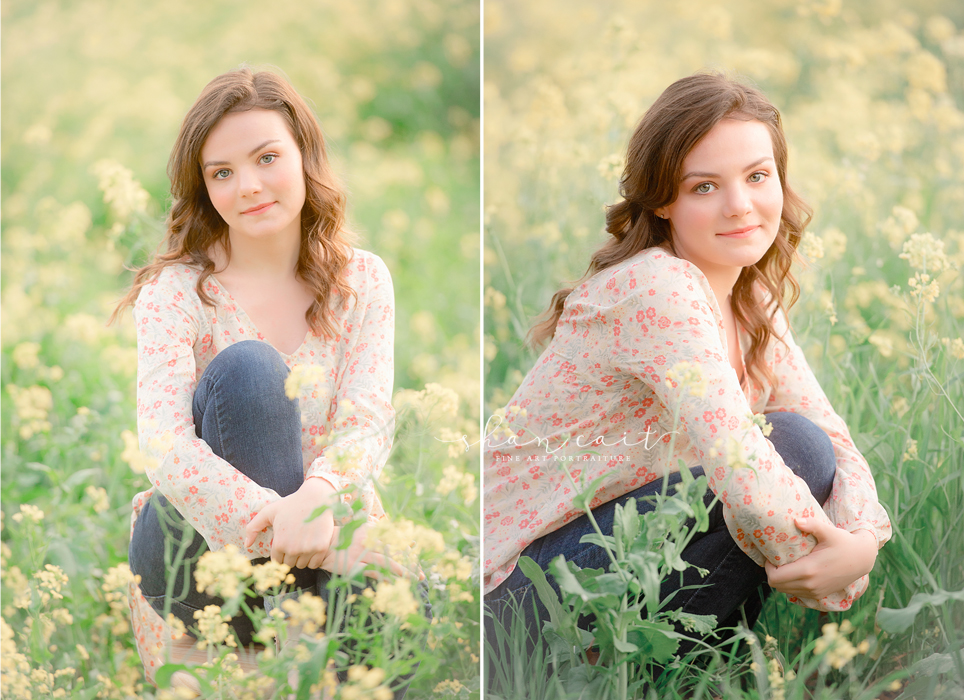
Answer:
x=270 y=156
x=218 y=174
x=704 y=188
x=758 y=177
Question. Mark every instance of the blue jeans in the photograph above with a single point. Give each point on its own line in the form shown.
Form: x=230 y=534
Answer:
x=729 y=591
x=242 y=413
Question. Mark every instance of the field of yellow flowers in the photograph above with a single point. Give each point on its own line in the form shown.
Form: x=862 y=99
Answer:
x=872 y=99
x=93 y=96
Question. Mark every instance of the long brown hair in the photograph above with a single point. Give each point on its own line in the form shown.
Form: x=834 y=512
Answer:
x=678 y=119
x=193 y=224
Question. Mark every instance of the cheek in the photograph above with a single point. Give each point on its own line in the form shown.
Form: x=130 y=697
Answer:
x=693 y=216
x=219 y=198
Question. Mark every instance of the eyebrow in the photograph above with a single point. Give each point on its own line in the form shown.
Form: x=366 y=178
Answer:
x=253 y=151
x=749 y=167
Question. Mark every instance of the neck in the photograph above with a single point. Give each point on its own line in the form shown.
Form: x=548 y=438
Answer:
x=272 y=257
x=722 y=282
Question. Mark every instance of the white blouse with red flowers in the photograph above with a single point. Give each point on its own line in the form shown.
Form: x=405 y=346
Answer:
x=346 y=410
x=598 y=403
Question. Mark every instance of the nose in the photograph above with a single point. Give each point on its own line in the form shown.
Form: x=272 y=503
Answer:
x=738 y=202
x=248 y=182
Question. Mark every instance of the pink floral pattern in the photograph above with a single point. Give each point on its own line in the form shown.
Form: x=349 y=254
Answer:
x=347 y=415
x=597 y=403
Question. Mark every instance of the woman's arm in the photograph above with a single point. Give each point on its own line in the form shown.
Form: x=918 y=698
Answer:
x=214 y=497
x=853 y=503
x=360 y=418
x=862 y=524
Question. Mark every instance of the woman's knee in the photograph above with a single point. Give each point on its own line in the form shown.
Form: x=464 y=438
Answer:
x=806 y=449
x=250 y=370
x=249 y=361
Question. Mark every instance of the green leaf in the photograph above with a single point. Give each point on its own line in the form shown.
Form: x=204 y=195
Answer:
x=548 y=596
x=897 y=620
x=936 y=664
x=583 y=498
x=657 y=641
x=568 y=583
x=625 y=647
x=702 y=624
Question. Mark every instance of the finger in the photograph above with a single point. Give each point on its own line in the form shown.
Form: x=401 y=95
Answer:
x=373 y=558
x=819 y=528
x=317 y=560
x=258 y=523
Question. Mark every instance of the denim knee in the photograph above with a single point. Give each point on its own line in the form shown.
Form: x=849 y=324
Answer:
x=806 y=449
x=250 y=366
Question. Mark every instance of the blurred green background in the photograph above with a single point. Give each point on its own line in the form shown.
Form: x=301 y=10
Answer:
x=395 y=86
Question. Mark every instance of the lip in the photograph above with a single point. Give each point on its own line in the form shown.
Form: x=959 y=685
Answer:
x=259 y=208
x=740 y=232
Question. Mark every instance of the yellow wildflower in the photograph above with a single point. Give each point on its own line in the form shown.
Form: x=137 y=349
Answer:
x=687 y=375
x=302 y=377
x=454 y=478
x=25 y=355
x=454 y=565
x=307 y=610
x=213 y=628
x=911 y=452
x=14 y=580
x=271 y=575
x=611 y=167
x=176 y=625
x=121 y=191
x=99 y=497
x=50 y=582
x=33 y=406
x=395 y=598
x=955 y=347
x=926 y=253
x=448 y=687
x=221 y=573
x=403 y=540
x=31 y=513
x=921 y=285
x=811 y=246
x=136 y=460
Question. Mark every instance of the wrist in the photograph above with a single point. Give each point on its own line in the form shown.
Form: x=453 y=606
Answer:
x=868 y=542
x=318 y=485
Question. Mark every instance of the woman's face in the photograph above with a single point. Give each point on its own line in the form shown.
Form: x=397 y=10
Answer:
x=254 y=175
x=727 y=213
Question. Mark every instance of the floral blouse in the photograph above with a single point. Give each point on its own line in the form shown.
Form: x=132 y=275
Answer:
x=346 y=410
x=598 y=402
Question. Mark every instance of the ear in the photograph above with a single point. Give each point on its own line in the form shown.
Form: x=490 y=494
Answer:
x=662 y=213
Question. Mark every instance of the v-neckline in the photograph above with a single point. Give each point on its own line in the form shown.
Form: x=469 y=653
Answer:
x=260 y=336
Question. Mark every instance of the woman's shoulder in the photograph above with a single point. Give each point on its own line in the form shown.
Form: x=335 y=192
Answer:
x=652 y=272
x=366 y=270
x=175 y=282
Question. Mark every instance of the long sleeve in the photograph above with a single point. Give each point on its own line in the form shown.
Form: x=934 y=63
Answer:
x=360 y=415
x=760 y=499
x=212 y=495
x=853 y=503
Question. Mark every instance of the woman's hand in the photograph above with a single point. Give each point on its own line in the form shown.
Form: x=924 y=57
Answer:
x=299 y=544
x=347 y=561
x=839 y=559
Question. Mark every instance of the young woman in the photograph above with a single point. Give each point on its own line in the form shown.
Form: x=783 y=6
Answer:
x=259 y=276
x=696 y=271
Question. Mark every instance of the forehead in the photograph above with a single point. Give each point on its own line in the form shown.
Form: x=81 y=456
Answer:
x=731 y=142
x=241 y=131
